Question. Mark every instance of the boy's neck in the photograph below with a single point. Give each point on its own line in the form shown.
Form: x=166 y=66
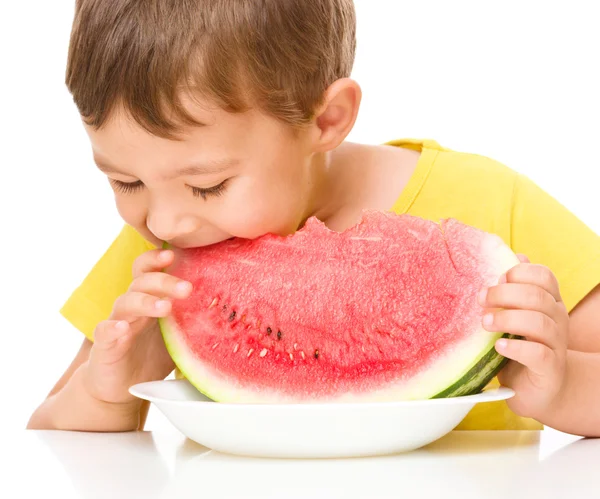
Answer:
x=355 y=177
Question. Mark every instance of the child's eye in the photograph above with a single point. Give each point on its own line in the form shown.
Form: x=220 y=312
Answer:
x=131 y=187
x=127 y=187
x=217 y=190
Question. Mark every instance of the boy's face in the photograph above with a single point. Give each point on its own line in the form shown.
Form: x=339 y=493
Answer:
x=242 y=175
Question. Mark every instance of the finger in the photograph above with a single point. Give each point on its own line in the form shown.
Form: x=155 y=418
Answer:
x=134 y=304
x=534 y=326
x=152 y=261
x=538 y=275
x=107 y=333
x=536 y=357
x=161 y=285
x=520 y=296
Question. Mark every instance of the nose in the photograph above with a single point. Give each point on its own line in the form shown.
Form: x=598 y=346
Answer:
x=167 y=225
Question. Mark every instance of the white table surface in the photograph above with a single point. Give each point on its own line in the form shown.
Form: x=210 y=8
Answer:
x=165 y=464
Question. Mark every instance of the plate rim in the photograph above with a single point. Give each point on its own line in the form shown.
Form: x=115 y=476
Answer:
x=493 y=394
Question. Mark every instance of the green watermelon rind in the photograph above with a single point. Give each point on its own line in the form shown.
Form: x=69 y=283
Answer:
x=478 y=375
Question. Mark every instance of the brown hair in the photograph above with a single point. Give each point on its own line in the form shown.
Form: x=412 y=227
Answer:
x=277 y=55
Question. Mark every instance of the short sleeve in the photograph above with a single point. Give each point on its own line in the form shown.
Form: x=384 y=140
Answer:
x=92 y=301
x=549 y=234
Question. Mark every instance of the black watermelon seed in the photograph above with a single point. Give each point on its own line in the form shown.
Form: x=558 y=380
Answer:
x=316 y=354
x=269 y=330
x=224 y=307
x=279 y=334
x=232 y=316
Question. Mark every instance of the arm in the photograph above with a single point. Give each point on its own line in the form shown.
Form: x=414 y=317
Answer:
x=584 y=324
x=70 y=407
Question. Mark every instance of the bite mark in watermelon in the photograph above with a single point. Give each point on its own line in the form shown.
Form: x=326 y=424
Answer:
x=386 y=310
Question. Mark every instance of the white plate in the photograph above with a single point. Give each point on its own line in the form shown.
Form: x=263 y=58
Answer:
x=309 y=430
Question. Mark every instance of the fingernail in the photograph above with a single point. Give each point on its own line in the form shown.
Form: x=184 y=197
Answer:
x=488 y=320
x=501 y=344
x=161 y=304
x=183 y=287
x=165 y=255
x=482 y=296
x=122 y=326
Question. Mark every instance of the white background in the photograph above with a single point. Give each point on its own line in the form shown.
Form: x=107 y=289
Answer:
x=516 y=80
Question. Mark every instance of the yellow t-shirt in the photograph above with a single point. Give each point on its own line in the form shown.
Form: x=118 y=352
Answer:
x=473 y=189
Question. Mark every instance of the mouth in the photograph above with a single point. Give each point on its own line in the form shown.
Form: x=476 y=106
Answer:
x=192 y=244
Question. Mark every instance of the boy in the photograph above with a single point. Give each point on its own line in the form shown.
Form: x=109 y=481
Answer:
x=228 y=118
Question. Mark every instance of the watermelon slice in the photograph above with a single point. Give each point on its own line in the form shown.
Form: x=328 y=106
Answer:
x=386 y=310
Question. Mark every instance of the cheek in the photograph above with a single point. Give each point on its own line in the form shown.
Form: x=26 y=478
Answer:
x=255 y=222
x=132 y=212
x=272 y=207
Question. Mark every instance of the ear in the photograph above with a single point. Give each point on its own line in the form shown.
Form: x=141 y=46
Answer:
x=337 y=114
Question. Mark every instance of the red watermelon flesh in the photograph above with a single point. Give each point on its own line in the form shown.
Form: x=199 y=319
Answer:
x=386 y=310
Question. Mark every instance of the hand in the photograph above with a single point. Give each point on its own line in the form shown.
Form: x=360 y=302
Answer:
x=531 y=307
x=128 y=347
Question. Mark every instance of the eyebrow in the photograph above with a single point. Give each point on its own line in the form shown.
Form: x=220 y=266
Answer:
x=205 y=168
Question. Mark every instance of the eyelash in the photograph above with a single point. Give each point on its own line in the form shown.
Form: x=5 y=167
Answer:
x=131 y=187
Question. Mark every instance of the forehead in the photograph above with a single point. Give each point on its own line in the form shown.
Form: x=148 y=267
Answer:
x=121 y=140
